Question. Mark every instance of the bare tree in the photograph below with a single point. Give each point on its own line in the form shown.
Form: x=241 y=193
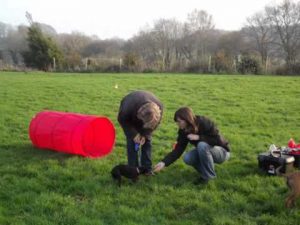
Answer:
x=145 y=47
x=72 y=45
x=75 y=41
x=200 y=20
x=285 y=17
x=198 y=28
x=231 y=45
x=4 y=30
x=12 y=43
x=259 y=30
x=166 y=33
x=29 y=18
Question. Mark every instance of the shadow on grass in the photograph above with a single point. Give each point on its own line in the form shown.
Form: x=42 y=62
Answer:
x=175 y=176
x=27 y=151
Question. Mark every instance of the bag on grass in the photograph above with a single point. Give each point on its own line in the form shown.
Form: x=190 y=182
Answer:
x=268 y=162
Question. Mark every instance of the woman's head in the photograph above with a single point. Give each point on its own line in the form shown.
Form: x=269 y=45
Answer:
x=150 y=114
x=186 y=120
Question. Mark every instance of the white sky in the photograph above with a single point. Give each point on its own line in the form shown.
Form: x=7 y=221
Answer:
x=124 y=18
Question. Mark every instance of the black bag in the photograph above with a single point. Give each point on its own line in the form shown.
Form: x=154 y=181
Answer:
x=269 y=161
x=296 y=155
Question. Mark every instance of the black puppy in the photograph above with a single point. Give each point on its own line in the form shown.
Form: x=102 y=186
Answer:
x=129 y=172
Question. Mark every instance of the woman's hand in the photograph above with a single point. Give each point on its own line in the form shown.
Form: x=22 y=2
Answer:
x=193 y=137
x=159 y=166
x=138 y=139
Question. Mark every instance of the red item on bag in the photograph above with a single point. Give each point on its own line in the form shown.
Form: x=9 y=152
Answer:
x=291 y=143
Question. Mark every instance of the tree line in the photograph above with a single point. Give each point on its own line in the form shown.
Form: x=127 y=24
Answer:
x=269 y=43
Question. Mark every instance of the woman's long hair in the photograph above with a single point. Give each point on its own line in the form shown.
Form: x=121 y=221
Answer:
x=186 y=114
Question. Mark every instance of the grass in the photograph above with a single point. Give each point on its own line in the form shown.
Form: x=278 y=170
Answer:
x=47 y=187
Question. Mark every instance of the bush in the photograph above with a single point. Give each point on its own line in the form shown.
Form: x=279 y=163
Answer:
x=249 y=65
x=285 y=70
x=197 y=67
x=149 y=70
x=296 y=69
x=223 y=63
x=112 y=69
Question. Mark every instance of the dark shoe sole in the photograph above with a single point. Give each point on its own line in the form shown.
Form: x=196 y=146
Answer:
x=200 y=181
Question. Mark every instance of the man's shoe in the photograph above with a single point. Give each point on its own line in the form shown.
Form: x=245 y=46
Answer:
x=200 y=181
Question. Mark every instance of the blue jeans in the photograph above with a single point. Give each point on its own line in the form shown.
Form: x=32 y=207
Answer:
x=132 y=154
x=203 y=157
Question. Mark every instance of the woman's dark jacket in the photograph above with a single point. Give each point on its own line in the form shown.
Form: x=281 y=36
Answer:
x=208 y=133
x=129 y=107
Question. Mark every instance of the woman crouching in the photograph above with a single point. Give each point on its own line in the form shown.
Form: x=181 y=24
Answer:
x=210 y=146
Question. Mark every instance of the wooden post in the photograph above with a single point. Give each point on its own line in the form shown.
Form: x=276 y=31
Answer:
x=209 y=63
x=266 y=69
x=54 y=64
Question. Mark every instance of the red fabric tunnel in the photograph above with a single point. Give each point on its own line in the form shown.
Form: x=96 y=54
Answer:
x=73 y=133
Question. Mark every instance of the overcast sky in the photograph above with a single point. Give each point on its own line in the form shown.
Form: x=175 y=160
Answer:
x=124 y=18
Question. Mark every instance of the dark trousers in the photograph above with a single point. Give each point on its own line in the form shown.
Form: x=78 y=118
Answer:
x=144 y=150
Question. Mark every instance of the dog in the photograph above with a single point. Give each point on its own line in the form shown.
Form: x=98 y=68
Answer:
x=129 y=172
x=293 y=183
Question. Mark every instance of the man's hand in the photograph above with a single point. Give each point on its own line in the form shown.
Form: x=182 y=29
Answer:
x=159 y=166
x=193 y=137
x=138 y=139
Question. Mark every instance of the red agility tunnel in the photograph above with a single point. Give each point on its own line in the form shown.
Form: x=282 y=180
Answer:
x=73 y=133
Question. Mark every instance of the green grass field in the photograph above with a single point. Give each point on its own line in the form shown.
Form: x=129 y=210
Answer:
x=40 y=187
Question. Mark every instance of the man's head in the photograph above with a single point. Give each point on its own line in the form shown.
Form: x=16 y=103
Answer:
x=150 y=114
